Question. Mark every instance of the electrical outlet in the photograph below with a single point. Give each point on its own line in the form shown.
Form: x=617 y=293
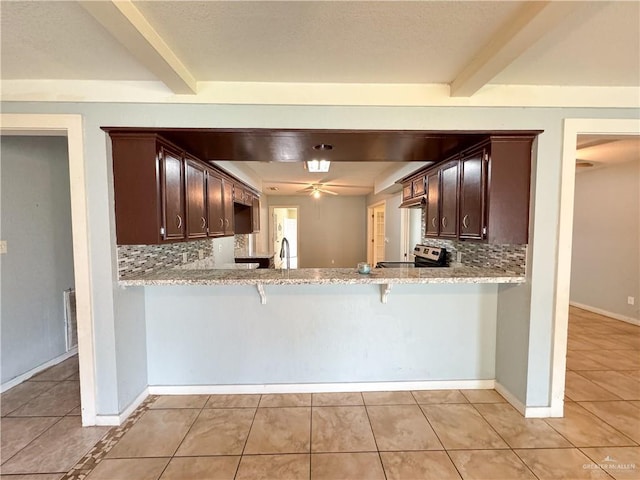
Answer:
x=185 y=257
x=631 y=300
x=3 y=246
x=200 y=254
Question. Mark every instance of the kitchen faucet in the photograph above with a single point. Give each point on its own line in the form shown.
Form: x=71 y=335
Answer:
x=285 y=245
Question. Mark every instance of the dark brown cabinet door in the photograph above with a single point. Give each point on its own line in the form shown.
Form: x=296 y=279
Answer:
x=227 y=203
x=196 y=185
x=407 y=192
x=432 y=211
x=172 y=194
x=255 y=214
x=449 y=200
x=418 y=187
x=472 y=195
x=215 y=204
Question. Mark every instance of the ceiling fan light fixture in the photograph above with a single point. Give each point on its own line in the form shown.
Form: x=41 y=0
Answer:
x=316 y=194
x=318 y=166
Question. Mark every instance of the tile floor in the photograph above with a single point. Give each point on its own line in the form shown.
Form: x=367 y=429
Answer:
x=470 y=434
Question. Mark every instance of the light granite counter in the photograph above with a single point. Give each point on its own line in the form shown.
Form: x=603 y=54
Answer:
x=322 y=276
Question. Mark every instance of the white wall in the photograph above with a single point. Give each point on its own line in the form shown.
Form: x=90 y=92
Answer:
x=320 y=334
x=331 y=229
x=605 y=264
x=38 y=266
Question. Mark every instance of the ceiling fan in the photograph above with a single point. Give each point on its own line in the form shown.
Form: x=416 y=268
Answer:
x=316 y=189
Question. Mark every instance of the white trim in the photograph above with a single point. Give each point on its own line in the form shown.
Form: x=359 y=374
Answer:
x=71 y=126
x=356 y=94
x=600 y=311
x=27 y=375
x=510 y=397
x=109 y=420
x=321 y=387
x=572 y=128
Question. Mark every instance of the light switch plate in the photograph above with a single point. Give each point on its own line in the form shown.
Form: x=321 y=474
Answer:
x=3 y=246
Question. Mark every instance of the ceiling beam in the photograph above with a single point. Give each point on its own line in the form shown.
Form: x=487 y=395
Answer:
x=533 y=21
x=126 y=23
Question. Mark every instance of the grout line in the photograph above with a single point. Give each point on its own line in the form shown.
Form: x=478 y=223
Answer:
x=246 y=440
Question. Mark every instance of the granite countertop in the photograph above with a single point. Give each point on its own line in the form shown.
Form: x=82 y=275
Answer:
x=322 y=276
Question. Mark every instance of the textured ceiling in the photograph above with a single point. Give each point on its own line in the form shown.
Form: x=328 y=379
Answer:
x=425 y=42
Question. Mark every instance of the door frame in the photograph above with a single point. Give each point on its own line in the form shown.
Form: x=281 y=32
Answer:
x=371 y=227
x=271 y=233
x=572 y=128
x=70 y=126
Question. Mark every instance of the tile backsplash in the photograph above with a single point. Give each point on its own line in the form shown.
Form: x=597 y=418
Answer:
x=138 y=259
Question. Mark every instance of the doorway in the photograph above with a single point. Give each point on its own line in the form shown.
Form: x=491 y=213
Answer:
x=284 y=224
x=376 y=233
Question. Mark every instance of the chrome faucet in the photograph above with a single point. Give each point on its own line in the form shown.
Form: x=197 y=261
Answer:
x=285 y=245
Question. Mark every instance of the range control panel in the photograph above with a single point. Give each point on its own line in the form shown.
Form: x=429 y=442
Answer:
x=430 y=253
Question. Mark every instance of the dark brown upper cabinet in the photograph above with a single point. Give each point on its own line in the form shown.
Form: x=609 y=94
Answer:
x=449 y=200
x=148 y=175
x=196 y=192
x=432 y=208
x=413 y=192
x=473 y=194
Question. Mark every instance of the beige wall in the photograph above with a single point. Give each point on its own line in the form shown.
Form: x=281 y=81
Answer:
x=605 y=267
x=331 y=230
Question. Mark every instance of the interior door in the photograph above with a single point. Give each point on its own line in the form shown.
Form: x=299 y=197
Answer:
x=378 y=234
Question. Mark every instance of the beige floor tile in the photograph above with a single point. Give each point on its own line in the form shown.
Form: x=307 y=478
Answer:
x=483 y=396
x=21 y=394
x=388 y=398
x=520 y=432
x=609 y=342
x=201 y=468
x=615 y=359
x=272 y=467
x=233 y=401
x=219 y=431
x=286 y=400
x=460 y=426
x=624 y=386
x=180 y=401
x=55 y=402
x=156 y=434
x=337 y=399
x=35 y=476
x=427 y=397
x=59 y=372
x=579 y=345
x=579 y=362
x=56 y=450
x=402 y=427
x=346 y=466
x=579 y=388
x=622 y=463
x=76 y=411
x=560 y=464
x=16 y=433
x=635 y=403
x=629 y=340
x=583 y=429
x=490 y=464
x=129 y=469
x=621 y=415
x=341 y=429
x=280 y=430
x=418 y=465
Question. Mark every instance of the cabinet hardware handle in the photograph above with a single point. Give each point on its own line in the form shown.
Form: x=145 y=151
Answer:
x=433 y=222
x=179 y=219
x=444 y=222
x=204 y=222
x=226 y=223
x=465 y=221
x=221 y=223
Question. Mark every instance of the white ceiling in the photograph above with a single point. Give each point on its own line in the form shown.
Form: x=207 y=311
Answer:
x=606 y=150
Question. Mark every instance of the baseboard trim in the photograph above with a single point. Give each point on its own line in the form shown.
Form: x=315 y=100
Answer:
x=615 y=316
x=27 y=375
x=545 y=412
x=511 y=398
x=115 y=420
x=320 y=387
